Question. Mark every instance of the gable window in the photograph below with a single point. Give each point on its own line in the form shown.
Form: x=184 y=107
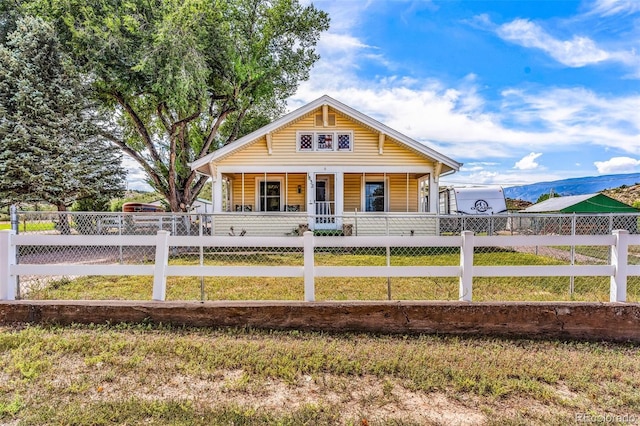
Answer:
x=324 y=141
x=269 y=197
x=344 y=141
x=305 y=142
x=374 y=194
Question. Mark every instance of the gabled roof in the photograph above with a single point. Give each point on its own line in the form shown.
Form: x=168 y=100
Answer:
x=591 y=203
x=556 y=204
x=340 y=107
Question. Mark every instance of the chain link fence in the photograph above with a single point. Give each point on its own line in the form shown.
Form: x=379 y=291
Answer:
x=239 y=225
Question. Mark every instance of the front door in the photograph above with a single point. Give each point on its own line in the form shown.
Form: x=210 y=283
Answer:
x=324 y=201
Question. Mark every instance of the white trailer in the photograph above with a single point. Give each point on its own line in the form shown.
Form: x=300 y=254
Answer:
x=472 y=200
x=477 y=209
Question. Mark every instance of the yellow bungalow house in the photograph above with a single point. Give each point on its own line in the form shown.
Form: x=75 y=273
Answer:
x=323 y=164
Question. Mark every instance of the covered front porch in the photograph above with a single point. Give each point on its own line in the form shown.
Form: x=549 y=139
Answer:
x=319 y=199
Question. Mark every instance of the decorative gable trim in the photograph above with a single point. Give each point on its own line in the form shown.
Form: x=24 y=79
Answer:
x=269 y=147
x=338 y=107
x=381 y=139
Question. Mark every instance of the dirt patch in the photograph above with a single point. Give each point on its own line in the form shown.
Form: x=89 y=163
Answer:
x=563 y=255
x=362 y=397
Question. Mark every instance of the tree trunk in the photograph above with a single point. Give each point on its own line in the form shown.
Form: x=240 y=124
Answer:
x=63 y=220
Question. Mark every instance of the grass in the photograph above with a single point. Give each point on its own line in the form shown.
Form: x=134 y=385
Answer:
x=30 y=226
x=133 y=374
x=269 y=288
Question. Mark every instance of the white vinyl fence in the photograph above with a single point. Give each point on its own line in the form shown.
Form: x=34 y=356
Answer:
x=617 y=267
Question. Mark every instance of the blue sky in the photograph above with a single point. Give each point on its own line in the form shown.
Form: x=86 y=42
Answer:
x=518 y=91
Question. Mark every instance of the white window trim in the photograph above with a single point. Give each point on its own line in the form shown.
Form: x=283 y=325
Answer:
x=259 y=180
x=363 y=200
x=314 y=134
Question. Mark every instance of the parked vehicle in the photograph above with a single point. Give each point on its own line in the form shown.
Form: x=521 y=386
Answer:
x=486 y=200
x=142 y=207
x=467 y=206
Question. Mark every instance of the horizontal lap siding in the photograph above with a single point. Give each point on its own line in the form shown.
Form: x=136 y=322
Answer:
x=398 y=195
x=375 y=226
x=255 y=225
x=292 y=198
x=249 y=190
x=281 y=225
x=365 y=148
x=352 y=192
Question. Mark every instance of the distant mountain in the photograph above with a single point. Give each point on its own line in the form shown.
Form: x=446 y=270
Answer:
x=574 y=186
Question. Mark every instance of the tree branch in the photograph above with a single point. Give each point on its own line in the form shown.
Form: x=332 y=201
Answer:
x=212 y=134
x=163 y=119
x=197 y=187
x=185 y=121
x=236 y=127
x=139 y=125
x=155 y=177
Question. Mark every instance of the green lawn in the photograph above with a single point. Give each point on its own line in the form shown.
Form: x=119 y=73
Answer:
x=268 y=288
x=31 y=226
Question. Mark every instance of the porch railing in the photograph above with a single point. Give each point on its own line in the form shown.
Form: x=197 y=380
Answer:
x=325 y=212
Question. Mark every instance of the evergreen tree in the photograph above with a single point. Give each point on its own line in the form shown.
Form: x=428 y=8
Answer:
x=49 y=145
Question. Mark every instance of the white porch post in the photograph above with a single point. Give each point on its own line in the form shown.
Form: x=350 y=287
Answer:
x=217 y=192
x=311 y=196
x=433 y=194
x=339 y=198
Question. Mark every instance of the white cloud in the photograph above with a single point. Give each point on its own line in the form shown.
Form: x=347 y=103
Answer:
x=458 y=121
x=615 y=7
x=528 y=162
x=503 y=177
x=618 y=165
x=577 y=116
x=482 y=21
x=577 y=52
x=341 y=42
x=136 y=177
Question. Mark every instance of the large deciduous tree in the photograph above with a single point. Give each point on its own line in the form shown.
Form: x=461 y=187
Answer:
x=50 y=148
x=184 y=77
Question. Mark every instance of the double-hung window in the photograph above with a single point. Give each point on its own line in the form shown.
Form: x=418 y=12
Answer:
x=269 y=196
x=374 y=196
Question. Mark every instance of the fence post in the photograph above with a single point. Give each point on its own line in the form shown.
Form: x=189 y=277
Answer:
x=466 y=267
x=619 y=253
x=15 y=220
x=309 y=267
x=160 y=270
x=8 y=282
